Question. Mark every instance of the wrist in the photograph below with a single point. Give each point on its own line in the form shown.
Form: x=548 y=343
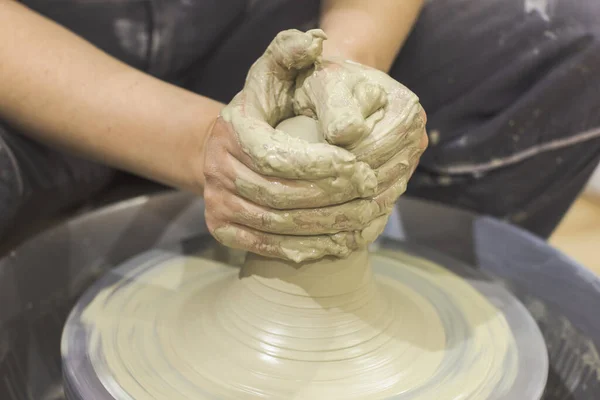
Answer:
x=370 y=32
x=194 y=148
x=348 y=51
x=354 y=44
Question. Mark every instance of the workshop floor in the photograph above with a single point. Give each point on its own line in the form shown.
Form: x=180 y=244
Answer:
x=578 y=235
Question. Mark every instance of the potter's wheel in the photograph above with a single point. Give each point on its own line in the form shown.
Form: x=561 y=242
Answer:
x=42 y=280
x=519 y=366
x=388 y=325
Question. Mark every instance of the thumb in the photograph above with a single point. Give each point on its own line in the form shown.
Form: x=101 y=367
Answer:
x=270 y=79
x=295 y=50
x=344 y=102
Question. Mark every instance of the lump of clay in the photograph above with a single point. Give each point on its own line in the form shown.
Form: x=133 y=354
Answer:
x=302 y=127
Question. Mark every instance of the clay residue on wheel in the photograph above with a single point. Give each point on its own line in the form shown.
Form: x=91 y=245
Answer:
x=191 y=328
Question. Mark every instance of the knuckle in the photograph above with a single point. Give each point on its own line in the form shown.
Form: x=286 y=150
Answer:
x=217 y=173
x=214 y=169
x=220 y=206
x=211 y=176
x=212 y=223
x=210 y=197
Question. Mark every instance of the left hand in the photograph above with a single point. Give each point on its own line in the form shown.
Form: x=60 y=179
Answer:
x=370 y=114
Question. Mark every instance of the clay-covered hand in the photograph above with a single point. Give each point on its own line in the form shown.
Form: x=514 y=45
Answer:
x=274 y=194
x=370 y=114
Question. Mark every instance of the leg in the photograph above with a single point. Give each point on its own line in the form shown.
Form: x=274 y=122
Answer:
x=37 y=182
x=511 y=91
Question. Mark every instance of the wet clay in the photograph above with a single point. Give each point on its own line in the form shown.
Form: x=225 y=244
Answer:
x=198 y=329
x=372 y=135
x=323 y=329
x=308 y=325
x=356 y=214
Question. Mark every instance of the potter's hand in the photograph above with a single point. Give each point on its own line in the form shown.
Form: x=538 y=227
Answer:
x=369 y=113
x=254 y=173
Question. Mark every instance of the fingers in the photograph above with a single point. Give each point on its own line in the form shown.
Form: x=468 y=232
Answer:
x=266 y=94
x=265 y=101
x=227 y=164
x=341 y=102
x=273 y=153
x=290 y=52
x=299 y=218
x=324 y=94
x=295 y=248
x=299 y=235
x=347 y=105
x=395 y=117
x=369 y=96
x=387 y=199
x=292 y=234
x=400 y=127
x=283 y=194
x=400 y=165
x=275 y=194
x=352 y=216
x=372 y=100
x=293 y=49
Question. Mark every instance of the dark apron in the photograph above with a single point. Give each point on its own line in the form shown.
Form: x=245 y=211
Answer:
x=511 y=89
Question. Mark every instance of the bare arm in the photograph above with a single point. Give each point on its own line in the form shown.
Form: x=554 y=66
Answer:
x=62 y=90
x=368 y=31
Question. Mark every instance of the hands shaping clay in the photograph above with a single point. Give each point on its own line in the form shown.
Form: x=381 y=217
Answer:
x=276 y=189
x=304 y=166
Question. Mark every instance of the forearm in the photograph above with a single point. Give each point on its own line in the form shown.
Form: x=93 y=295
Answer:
x=368 y=31
x=62 y=90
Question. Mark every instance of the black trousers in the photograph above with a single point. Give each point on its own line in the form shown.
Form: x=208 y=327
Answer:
x=511 y=88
